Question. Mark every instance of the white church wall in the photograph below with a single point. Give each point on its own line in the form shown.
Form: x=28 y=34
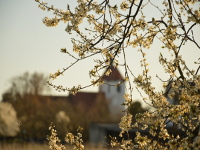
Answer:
x=114 y=95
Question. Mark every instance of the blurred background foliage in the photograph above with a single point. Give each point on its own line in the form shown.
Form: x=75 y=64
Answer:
x=36 y=108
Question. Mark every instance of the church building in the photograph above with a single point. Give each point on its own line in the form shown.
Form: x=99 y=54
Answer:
x=110 y=91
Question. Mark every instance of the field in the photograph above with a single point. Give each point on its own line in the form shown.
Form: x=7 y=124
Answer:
x=34 y=146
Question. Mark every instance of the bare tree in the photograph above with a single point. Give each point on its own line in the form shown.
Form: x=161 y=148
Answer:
x=34 y=84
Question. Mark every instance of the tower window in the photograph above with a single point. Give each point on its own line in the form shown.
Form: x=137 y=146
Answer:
x=118 y=88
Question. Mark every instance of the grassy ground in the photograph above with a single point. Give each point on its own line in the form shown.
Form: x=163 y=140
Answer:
x=28 y=146
x=34 y=146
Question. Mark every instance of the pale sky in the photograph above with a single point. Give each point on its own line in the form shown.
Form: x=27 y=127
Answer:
x=26 y=44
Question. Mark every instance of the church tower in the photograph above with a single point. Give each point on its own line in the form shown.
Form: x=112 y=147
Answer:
x=114 y=94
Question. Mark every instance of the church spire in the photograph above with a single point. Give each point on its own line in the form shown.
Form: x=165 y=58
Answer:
x=114 y=75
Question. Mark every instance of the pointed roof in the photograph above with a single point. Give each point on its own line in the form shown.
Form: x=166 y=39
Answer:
x=114 y=75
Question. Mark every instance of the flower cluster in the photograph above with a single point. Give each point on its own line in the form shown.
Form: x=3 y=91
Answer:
x=54 y=142
x=75 y=140
x=126 y=123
